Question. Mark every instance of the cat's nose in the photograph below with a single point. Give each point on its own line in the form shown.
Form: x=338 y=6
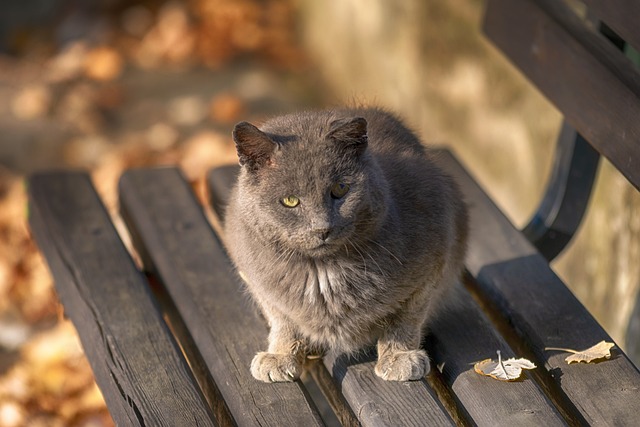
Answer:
x=323 y=233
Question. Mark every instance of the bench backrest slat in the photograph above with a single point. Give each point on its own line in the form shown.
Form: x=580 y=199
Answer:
x=179 y=246
x=141 y=372
x=621 y=15
x=593 y=84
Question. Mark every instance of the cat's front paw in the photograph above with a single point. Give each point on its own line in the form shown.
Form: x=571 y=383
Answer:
x=403 y=365
x=271 y=367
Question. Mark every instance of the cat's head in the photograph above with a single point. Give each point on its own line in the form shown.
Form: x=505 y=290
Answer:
x=308 y=183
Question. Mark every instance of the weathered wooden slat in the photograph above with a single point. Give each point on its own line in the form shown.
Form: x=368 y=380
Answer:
x=375 y=402
x=621 y=15
x=138 y=366
x=178 y=245
x=585 y=76
x=325 y=383
x=462 y=335
x=518 y=282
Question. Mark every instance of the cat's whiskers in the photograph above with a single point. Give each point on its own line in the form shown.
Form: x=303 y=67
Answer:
x=382 y=273
x=280 y=254
x=362 y=250
x=388 y=251
x=344 y=273
x=355 y=247
x=284 y=254
x=292 y=253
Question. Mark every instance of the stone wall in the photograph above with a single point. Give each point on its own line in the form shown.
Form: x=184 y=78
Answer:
x=428 y=61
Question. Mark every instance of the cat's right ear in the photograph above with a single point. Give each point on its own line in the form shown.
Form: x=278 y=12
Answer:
x=351 y=132
x=254 y=146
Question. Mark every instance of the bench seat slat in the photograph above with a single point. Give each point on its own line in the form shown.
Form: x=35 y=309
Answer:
x=138 y=366
x=462 y=335
x=377 y=402
x=179 y=246
x=586 y=77
x=519 y=283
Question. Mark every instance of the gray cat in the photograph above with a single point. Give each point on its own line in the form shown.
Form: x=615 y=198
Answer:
x=347 y=234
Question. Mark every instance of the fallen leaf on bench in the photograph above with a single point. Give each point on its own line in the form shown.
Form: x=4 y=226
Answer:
x=503 y=370
x=602 y=350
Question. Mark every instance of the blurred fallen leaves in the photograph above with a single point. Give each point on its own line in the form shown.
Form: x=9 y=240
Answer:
x=503 y=370
x=32 y=101
x=103 y=63
x=78 y=83
x=171 y=40
x=187 y=110
x=51 y=384
x=226 y=108
x=25 y=284
x=212 y=33
x=231 y=28
x=600 y=351
x=68 y=63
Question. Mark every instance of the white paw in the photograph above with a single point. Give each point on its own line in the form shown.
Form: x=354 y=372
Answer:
x=271 y=368
x=403 y=365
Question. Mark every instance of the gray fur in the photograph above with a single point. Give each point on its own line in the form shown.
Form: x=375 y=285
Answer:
x=393 y=244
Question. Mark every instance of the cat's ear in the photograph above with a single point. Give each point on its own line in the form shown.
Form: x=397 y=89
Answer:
x=254 y=146
x=351 y=131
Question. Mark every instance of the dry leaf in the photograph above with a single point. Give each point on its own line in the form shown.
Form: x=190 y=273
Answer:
x=602 y=350
x=503 y=370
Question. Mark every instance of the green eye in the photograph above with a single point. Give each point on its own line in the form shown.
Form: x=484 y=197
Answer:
x=339 y=189
x=290 y=201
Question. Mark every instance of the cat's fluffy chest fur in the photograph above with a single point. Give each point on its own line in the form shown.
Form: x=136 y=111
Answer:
x=338 y=301
x=346 y=233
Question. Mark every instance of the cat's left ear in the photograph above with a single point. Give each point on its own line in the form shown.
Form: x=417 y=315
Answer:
x=254 y=147
x=350 y=131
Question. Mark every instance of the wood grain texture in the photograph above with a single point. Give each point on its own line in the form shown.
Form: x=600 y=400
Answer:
x=585 y=76
x=179 y=246
x=138 y=366
x=331 y=392
x=377 y=402
x=519 y=284
x=621 y=15
x=462 y=335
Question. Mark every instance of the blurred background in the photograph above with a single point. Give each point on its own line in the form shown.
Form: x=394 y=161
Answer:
x=110 y=84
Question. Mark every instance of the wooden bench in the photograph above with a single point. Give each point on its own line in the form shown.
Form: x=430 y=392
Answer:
x=171 y=344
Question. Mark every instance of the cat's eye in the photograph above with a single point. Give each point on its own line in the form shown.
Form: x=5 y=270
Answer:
x=290 y=201
x=339 y=190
